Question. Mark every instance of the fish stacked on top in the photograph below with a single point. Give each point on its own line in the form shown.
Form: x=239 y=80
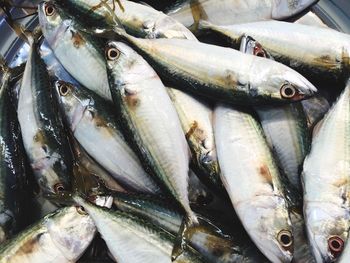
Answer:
x=121 y=109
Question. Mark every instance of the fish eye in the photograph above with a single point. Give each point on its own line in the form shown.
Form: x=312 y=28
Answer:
x=285 y=238
x=64 y=89
x=112 y=53
x=81 y=210
x=288 y=91
x=335 y=244
x=49 y=9
x=59 y=188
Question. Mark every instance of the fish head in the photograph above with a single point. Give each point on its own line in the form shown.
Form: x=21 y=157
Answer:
x=282 y=9
x=52 y=21
x=267 y=223
x=278 y=82
x=327 y=229
x=73 y=101
x=71 y=230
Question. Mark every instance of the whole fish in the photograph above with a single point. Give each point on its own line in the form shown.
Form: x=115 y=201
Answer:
x=210 y=241
x=60 y=237
x=289 y=43
x=228 y=12
x=131 y=239
x=226 y=75
x=326 y=183
x=79 y=53
x=196 y=121
x=13 y=181
x=253 y=183
x=95 y=127
x=156 y=136
x=287 y=134
x=137 y=19
x=42 y=130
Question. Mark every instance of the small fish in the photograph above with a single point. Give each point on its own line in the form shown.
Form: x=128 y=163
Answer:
x=60 y=237
x=209 y=240
x=253 y=183
x=13 y=181
x=226 y=75
x=43 y=134
x=133 y=240
x=326 y=183
x=137 y=19
x=229 y=12
x=289 y=43
x=94 y=125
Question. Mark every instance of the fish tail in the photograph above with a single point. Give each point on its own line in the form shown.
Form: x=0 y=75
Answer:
x=187 y=229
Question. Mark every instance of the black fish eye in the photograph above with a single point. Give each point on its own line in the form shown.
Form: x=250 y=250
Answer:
x=285 y=238
x=49 y=9
x=335 y=245
x=59 y=188
x=288 y=91
x=64 y=89
x=112 y=53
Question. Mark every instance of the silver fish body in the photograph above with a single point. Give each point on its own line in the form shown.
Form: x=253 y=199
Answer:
x=61 y=237
x=326 y=183
x=289 y=43
x=133 y=240
x=226 y=75
x=78 y=52
x=137 y=19
x=228 y=12
x=95 y=127
x=43 y=134
x=155 y=135
x=252 y=181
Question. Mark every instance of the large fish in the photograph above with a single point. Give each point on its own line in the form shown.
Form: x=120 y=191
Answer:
x=42 y=130
x=60 y=237
x=155 y=135
x=95 y=127
x=13 y=181
x=226 y=75
x=289 y=43
x=287 y=134
x=253 y=183
x=326 y=183
x=137 y=19
x=133 y=240
x=213 y=243
x=228 y=12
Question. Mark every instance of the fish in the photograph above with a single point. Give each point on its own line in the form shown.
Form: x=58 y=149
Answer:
x=226 y=75
x=132 y=239
x=326 y=182
x=285 y=126
x=95 y=126
x=137 y=19
x=327 y=62
x=253 y=182
x=79 y=53
x=13 y=168
x=196 y=121
x=212 y=242
x=60 y=237
x=43 y=133
x=288 y=137
x=156 y=137
x=228 y=12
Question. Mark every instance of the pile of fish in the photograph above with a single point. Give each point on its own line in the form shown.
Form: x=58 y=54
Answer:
x=199 y=133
